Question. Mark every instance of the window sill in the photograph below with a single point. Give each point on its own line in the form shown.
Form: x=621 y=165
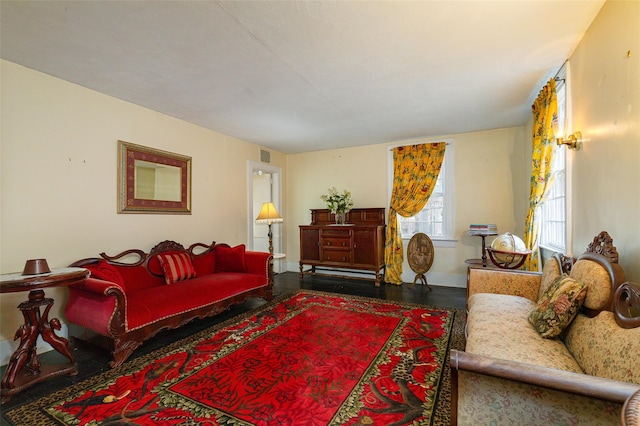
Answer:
x=551 y=248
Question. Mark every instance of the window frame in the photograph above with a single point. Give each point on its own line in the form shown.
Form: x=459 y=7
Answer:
x=564 y=114
x=448 y=240
x=549 y=214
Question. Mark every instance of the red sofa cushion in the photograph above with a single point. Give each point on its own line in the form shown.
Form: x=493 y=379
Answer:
x=176 y=267
x=230 y=259
x=153 y=304
x=205 y=263
x=138 y=278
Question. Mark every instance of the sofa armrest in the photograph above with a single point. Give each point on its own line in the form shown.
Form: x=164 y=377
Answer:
x=94 y=285
x=97 y=305
x=259 y=263
x=535 y=385
x=566 y=381
x=501 y=281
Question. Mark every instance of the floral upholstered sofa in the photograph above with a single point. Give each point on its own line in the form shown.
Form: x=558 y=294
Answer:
x=123 y=304
x=510 y=374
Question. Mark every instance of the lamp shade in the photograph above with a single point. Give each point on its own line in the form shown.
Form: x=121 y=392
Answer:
x=268 y=214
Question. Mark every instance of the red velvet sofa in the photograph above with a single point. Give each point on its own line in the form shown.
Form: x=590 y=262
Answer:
x=123 y=304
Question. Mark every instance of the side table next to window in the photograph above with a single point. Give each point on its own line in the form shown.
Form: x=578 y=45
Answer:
x=482 y=234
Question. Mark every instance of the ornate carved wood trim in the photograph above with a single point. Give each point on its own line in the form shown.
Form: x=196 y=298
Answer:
x=630 y=415
x=362 y=217
x=142 y=257
x=207 y=248
x=626 y=305
x=166 y=245
x=83 y=262
x=603 y=244
x=565 y=262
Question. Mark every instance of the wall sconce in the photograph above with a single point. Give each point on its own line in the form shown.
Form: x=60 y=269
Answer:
x=269 y=214
x=573 y=141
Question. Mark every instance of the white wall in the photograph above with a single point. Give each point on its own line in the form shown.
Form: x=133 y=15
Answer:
x=59 y=179
x=605 y=70
x=489 y=177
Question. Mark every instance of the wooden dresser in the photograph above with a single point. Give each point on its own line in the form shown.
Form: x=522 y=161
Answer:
x=359 y=244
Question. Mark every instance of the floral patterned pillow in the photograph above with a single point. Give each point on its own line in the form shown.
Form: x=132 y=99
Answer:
x=558 y=306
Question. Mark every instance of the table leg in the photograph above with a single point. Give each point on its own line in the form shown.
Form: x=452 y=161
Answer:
x=24 y=367
x=25 y=356
x=484 y=252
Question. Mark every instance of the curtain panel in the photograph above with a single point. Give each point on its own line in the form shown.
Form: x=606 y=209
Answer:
x=415 y=172
x=545 y=111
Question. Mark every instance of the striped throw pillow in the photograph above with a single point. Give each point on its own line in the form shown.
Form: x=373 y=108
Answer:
x=176 y=267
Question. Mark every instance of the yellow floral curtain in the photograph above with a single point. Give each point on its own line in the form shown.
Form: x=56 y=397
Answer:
x=416 y=170
x=545 y=111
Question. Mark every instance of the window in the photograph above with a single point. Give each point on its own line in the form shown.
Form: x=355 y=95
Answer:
x=553 y=212
x=553 y=229
x=436 y=219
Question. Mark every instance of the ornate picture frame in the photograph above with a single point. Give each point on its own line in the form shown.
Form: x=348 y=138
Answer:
x=153 y=181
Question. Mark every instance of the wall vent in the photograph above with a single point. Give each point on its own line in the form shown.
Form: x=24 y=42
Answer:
x=265 y=156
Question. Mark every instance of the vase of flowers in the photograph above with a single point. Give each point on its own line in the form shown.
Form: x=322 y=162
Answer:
x=338 y=203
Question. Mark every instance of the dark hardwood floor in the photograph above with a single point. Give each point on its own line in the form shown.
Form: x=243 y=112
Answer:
x=93 y=360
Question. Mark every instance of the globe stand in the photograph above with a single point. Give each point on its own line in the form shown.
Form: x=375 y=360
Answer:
x=507 y=259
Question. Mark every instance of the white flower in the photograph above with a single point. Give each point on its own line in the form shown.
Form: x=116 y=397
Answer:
x=338 y=203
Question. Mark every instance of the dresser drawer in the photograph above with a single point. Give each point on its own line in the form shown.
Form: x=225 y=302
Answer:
x=336 y=256
x=336 y=231
x=337 y=242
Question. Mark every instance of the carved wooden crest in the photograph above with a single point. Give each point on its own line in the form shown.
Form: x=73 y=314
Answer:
x=603 y=244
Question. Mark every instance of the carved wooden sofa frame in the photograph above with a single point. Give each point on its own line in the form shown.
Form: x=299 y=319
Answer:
x=123 y=342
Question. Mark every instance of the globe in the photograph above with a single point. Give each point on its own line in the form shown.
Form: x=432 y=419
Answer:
x=508 y=249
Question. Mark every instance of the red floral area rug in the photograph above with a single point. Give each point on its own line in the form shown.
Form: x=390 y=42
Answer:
x=311 y=359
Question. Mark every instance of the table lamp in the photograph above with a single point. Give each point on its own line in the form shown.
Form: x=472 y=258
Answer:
x=269 y=214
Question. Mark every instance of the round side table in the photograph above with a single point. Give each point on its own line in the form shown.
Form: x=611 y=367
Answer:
x=482 y=235
x=24 y=367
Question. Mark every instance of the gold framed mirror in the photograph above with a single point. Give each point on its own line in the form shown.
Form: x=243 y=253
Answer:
x=153 y=181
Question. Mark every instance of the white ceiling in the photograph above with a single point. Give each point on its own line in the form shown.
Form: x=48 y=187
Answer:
x=300 y=76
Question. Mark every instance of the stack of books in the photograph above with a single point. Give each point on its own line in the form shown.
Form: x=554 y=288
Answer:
x=483 y=229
